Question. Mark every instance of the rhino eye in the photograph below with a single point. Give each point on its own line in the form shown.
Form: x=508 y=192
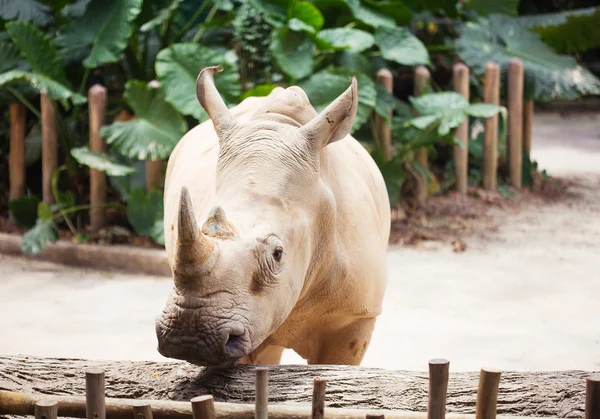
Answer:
x=277 y=253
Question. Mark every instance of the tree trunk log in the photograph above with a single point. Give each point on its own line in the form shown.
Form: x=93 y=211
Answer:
x=556 y=394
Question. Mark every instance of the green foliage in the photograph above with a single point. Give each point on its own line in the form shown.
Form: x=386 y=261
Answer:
x=44 y=232
x=25 y=210
x=154 y=132
x=399 y=45
x=547 y=75
x=343 y=38
x=293 y=52
x=489 y=7
x=100 y=161
x=145 y=213
x=26 y=11
x=177 y=70
x=44 y=85
x=105 y=27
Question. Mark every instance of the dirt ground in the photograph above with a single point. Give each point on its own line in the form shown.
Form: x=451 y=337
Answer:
x=523 y=295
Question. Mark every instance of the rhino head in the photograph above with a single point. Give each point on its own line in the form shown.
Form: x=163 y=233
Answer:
x=239 y=273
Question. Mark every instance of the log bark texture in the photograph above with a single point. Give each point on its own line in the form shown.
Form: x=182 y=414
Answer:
x=553 y=394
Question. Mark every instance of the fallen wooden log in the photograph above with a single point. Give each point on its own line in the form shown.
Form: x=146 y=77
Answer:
x=543 y=394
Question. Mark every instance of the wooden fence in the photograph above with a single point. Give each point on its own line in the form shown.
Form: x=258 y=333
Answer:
x=519 y=136
x=94 y=405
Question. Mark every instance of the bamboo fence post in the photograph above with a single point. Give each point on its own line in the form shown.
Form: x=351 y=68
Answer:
x=141 y=409
x=515 y=121
x=154 y=168
x=487 y=393
x=97 y=111
x=383 y=130
x=318 y=398
x=491 y=94
x=46 y=409
x=16 y=161
x=203 y=407
x=262 y=393
x=592 y=397
x=528 y=108
x=438 y=388
x=461 y=154
x=49 y=147
x=422 y=77
x=95 y=403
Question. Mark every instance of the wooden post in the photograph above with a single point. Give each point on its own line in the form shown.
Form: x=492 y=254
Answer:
x=46 y=409
x=515 y=121
x=318 y=398
x=487 y=394
x=491 y=94
x=527 y=125
x=421 y=81
x=592 y=397
x=97 y=110
x=383 y=130
x=16 y=161
x=203 y=407
x=95 y=406
x=461 y=154
x=262 y=393
x=141 y=409
x=154 y=172
x=374 y=416
x=438 y=388
x=49 y=148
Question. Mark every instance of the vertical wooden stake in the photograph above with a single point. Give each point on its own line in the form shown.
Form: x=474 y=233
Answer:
x=203 y=407
x=16 y=161
x=592 y=397
x=491 y=94
x=515 y=121
x=438 y=388
x=422 y=77
x=46 y=409
x=262 y=393
x=154 y=173
x=527 y=125
x=383 y=130
x=318 y=398
x=49 y=148
x=95 y=403
x=461 y=154
x=97 y=110
x=141 y=409
x=487 y=394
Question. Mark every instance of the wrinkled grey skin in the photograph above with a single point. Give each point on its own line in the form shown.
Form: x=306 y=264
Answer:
x=279 y=260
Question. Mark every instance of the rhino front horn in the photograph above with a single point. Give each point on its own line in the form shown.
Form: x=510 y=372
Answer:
x=212 y=102
x=193 y=249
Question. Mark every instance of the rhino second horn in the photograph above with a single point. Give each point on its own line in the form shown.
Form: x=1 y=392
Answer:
x=194 y=249
x=212 y=102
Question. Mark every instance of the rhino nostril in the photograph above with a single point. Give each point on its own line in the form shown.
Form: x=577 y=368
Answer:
x=235 y=344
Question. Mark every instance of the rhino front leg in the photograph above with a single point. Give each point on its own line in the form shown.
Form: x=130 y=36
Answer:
x=346 y=346
x=269 y=355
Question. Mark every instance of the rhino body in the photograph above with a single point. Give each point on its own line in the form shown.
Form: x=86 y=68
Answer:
x=276 y=228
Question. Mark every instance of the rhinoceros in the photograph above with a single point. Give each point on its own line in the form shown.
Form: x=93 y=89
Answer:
x=276 y=230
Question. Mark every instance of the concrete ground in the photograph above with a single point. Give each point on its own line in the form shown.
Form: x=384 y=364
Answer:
x=526 y=297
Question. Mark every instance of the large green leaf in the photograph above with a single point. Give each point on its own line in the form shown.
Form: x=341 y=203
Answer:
x=36 y=48
x=399 y=45
x=106 y=26
x=177 y=68
x=44 y=85
x=448 y=110
x=343 y=38
x=100 y=161
x=324 y=87
x=155 y=130
x=548 y=75
x=368 y=15
x=488 y=7
x=293 y=52
x=162 y=16
x=387 y=101
x=397 y=10
x=554 y=19
x=36 y=239
x=24 y=210
x=272 y=8
x=260 y=90
x=25 y=10
x=307 y=13
x=145 y=214
x=75 y=9
x=9 y=56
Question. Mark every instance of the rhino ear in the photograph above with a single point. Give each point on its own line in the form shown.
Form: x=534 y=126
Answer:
x=335 y=121
x=211 y=100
